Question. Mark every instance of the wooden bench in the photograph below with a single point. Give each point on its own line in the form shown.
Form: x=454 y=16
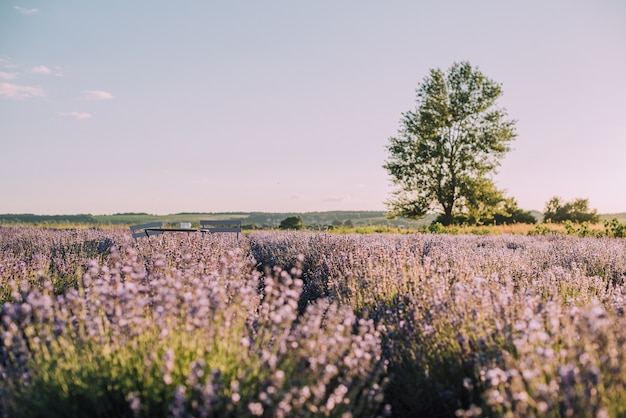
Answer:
x=139 y=231
x=228 y=225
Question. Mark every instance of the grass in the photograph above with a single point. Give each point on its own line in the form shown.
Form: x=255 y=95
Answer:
x=494 y=230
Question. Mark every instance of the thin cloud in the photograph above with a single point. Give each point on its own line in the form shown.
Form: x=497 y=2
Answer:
x=6 y=62
x=97 y=95
x=26 y=11
x=7 y=76
x=41 y=69
x=77 y=115
x=17 y=92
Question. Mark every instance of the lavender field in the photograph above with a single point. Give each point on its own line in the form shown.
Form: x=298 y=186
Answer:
x=310 y=324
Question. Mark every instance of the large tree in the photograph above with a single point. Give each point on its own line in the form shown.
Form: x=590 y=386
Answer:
x=447 y=148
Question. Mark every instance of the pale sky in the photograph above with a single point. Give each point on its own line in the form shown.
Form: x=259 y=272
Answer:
x=287 y=106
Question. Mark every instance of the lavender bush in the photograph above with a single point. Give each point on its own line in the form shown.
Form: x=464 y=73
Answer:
x=179 y=327
x=306 y=324
x=464 y=317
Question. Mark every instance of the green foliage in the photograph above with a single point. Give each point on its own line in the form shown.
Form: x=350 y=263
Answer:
x=612 y=229
x=293 y=222
x=577 y=211
x=540 y=229
x=615 y=229
x=448 y=146
x=581 y=230
x=482 y=202
x=436 y=228
x=512 y=214
x=491 y=209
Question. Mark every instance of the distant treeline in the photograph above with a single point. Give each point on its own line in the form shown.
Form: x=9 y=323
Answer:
x=251 y=220
x=29 y=218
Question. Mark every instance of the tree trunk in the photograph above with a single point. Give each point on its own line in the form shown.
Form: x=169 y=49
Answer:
x=447 y=215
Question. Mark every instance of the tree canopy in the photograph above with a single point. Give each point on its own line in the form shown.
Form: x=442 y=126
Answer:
x=577 y=210
x=292 y=222
x=447 y=148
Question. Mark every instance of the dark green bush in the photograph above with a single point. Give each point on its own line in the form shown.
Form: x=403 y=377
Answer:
x=576 y=211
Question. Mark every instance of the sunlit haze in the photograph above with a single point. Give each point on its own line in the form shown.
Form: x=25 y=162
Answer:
x=283 y=106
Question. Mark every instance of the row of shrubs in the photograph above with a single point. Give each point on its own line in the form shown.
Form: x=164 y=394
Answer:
x=612 y=228
x=311 y=324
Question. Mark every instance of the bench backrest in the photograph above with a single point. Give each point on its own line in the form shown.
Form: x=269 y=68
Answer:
x=139 y=231
x=227 y=225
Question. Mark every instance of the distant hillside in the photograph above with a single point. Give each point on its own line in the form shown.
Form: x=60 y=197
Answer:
x=249 y=219
x=252 y=219
x=29 y=218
